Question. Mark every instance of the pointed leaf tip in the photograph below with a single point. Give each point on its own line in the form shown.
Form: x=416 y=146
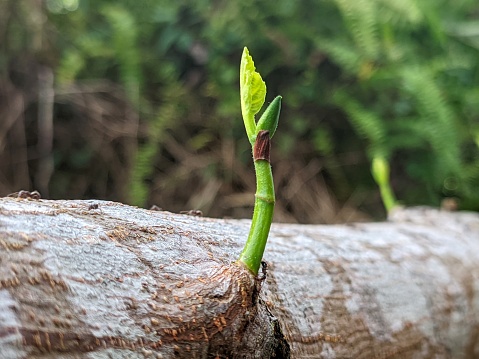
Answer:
x=270 y=118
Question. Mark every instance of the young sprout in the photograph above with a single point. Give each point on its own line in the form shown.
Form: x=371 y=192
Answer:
x=253 y=92
x=380 y=171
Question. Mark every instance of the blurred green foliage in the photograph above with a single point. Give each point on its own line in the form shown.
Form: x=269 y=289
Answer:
x=391 y=79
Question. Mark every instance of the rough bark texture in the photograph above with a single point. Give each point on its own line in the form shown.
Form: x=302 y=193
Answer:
x=113 y=281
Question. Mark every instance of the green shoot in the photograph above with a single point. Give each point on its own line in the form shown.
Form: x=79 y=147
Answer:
x=253 y=93
x=380 y=172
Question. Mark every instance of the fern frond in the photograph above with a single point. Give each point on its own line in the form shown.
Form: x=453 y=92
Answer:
x=125 y=45
x=71 y=64
x=436 y=117
x=366 y=123
x=145 y=156
x=399 y=11
x=342 y=53
x=360 y=18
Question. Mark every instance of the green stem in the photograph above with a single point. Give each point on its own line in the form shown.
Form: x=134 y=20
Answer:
x=387 y=196
x=263 y=207
x=380 y=172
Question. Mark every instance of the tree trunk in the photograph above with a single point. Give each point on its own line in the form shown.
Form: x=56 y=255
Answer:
x=93 y=279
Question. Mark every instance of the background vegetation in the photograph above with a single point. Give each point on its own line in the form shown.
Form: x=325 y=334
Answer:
x=138 y=101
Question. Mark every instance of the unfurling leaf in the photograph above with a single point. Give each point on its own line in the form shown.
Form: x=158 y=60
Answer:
x=252 y=92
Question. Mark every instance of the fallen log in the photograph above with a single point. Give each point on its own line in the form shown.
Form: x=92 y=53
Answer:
x=94 y=279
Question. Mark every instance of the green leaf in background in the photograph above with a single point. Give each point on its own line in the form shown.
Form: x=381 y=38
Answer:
x=252 y=92
x=391 y=78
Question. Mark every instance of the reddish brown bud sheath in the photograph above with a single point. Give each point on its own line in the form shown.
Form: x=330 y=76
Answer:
x=262 y=146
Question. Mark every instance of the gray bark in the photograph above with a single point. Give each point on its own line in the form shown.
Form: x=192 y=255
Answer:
x=121 y=282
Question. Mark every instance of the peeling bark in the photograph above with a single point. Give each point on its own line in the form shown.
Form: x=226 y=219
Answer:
x=113 y=281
